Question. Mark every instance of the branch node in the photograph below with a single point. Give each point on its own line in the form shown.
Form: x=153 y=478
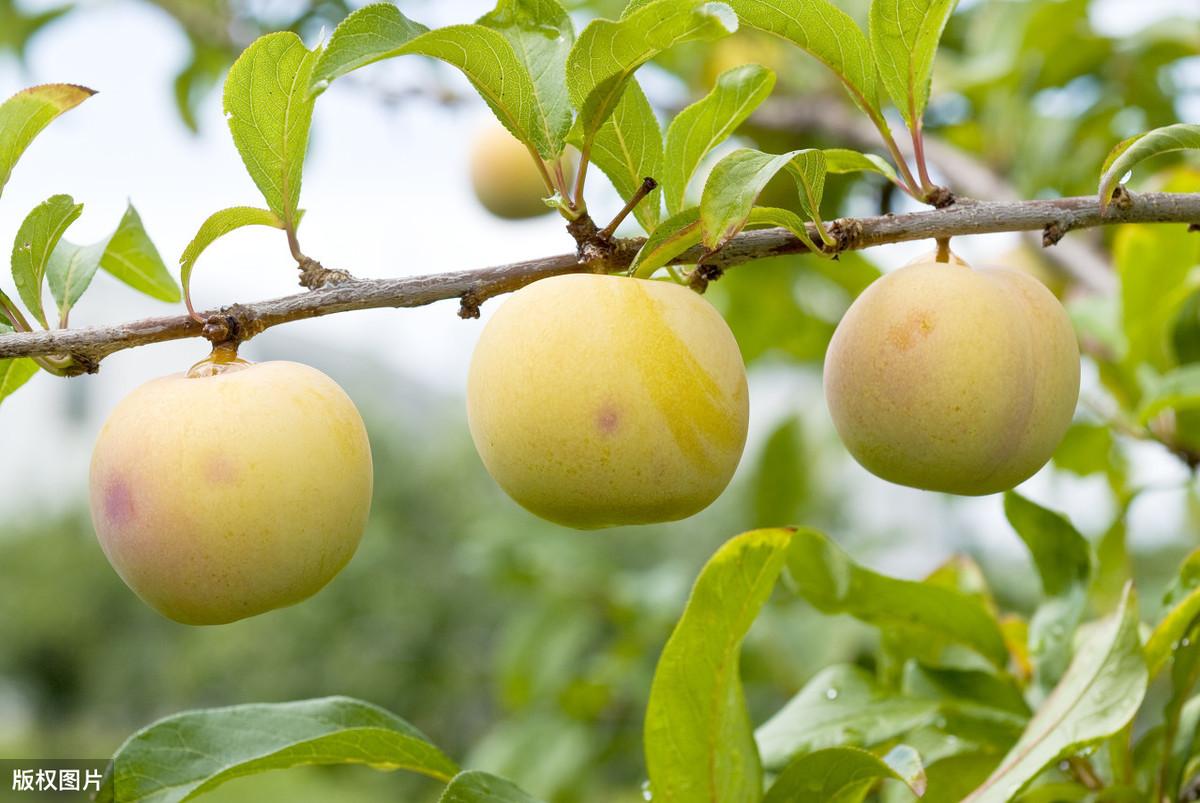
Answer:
x=847 y=234
x=468 y=304
x=314 y=275
x=703 y=275
x=941 y=197
x=1053 y=233
x=1122 y=199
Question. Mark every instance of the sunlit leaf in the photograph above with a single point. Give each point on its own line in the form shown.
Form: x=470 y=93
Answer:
x=216 y=226
x=841 y=160
x=269 y=109
x=739 y=178
x=541 y=35
x=35 y=242
x=708 y=122
x=128 y=254
x=182 y=756
x=608 y=52
x=629 y=149
x=828 y=33
x=14 y=372
x=705 y=750
x=484 y=54
x=904 y=38
x=27 y=113
x=1127 y=155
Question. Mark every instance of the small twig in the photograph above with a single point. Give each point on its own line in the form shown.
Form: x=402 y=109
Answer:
x=648 y=186
x=1083 y=771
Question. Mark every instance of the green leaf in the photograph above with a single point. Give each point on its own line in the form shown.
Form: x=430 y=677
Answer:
x=1153 y=263
x=1063 y=559
x=766 y=216
x=904 y=39
x=27 y=113
x=671 y=238
x=828 y=774
x=608 y=52
x=841 y=160
x=833 y=583
x=35 y=242
x=826 y=32
x=216 y=226
x=480 y=787
x=698 y=737
x=1127 y=155
x=14 y=373
x=738 y=179
x=484 y=55
x=182 y=756
x=842 y=705
x=1098 y=696
x=1176 y=390
x=128 y=254
x=707 y=123
x=131 y=257
x=1169 y=633
x=629 y=149
x=269 y=108
x=541 y=35
x=783 y=478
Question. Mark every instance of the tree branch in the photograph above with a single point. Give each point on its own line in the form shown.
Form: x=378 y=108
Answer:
x=1078 y=259
x=242 y=321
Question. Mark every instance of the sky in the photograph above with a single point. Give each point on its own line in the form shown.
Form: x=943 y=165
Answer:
x=386 y=193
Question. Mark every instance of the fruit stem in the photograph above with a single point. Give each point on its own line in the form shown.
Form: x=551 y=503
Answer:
x=943 y=249
x=223 y=359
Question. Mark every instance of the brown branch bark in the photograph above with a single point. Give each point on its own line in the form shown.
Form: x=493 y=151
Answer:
x=1077 y=259
x=90 y=345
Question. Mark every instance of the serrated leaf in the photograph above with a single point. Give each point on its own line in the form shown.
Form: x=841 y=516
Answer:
x=842 y=705
x=842 y=160
x=1063 y=559
x=608 y=52
x=698 y=738
x=904 y=37
x=541 y=35
x=1098 y=696
x=128 y=254
x=215 y=227
x=182 y=756
x=827 y=33
x=480 y=787
x=739 y=178
x=1127 y=155
x=833 y=583
x=827 y=775
x=629 y=149
x=484 y=55
x=14 y=373
x=35 y=242
x=707 y=123
x=27 y=113
x=269 y=108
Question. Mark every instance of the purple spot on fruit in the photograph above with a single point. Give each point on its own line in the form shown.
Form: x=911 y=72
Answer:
x=118 y=502
x=608 y=420
x=220 y=470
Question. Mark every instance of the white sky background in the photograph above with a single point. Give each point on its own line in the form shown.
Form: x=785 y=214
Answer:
x=387 y=195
